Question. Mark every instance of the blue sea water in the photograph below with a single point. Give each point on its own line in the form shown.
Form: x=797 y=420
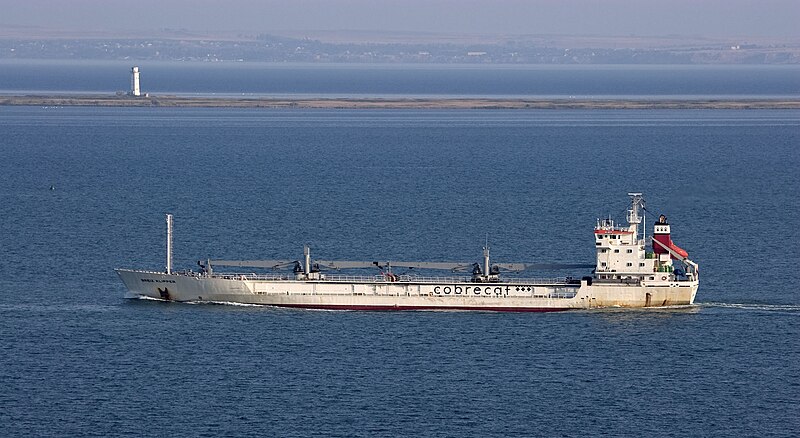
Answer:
x=76 y=358
x=381 y=80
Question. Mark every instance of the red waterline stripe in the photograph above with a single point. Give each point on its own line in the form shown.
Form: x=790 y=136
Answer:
x=403 y=308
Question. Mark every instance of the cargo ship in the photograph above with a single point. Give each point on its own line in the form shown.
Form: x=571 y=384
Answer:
x=632 y=270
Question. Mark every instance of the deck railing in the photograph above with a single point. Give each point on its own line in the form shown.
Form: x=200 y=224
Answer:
x=338 y=278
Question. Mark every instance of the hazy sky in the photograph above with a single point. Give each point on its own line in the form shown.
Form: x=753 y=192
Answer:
x=772 y=18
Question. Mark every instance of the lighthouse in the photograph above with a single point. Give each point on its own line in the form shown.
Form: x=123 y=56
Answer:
x=135 y=82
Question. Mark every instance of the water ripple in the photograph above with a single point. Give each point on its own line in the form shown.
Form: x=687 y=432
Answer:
x=791 y=308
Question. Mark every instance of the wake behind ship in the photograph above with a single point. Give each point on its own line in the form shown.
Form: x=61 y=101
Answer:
x=630 y=271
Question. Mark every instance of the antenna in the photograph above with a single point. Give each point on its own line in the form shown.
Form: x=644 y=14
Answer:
x=169 y=244
x=644 y=221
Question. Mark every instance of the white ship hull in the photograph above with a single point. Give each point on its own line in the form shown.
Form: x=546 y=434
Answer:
x=368 y=293
x=625 y=275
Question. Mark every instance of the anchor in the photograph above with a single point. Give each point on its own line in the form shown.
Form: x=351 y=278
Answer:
x=164 y=293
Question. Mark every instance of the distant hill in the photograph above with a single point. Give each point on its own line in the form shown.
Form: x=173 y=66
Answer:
x=367 y=47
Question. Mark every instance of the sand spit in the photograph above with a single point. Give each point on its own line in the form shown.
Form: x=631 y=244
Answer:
x=395 y=103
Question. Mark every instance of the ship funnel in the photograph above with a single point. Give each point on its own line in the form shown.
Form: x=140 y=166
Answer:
x=665 y=245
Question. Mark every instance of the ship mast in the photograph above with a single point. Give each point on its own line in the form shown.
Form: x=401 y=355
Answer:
x=169 y=244
x=306 y=260
x=486 y=261
x=634 y=219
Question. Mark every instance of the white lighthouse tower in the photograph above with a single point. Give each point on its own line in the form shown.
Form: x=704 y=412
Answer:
x=135 y=82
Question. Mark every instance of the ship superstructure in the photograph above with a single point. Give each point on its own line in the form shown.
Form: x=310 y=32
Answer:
x=623 y=255
x=626 y=274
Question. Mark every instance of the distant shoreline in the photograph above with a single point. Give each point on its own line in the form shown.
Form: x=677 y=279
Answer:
x=392 y=103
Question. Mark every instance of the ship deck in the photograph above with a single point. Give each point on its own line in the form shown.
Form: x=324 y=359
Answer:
x=368 y=279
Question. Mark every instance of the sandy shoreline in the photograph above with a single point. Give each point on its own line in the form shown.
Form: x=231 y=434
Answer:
x=394 y=103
